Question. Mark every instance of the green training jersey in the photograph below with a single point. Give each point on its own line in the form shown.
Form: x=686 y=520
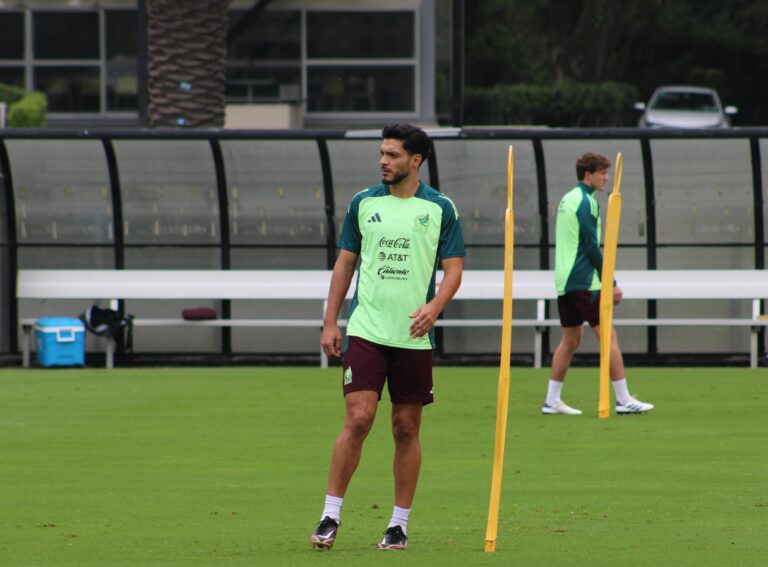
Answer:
x=578 y=259
x=399 y=242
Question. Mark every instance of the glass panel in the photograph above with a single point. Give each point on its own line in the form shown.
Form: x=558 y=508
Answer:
x=62 y=191
x=66 y=257
x=275 y=192
x=709 y=258
x=703 y=191
x=278 y=258
x=481 y=257
x=360 y=35
x=710 y=339
x=11 y=35
x=277 y=340
x=360 y=89
x=560 y=160
x=169 y=192
x=65 y=35
x=253 y=84
x=275 y=34
x=122 y=81
x=474 y=175
x=181 y=339
x=69 y=88
x=12 y=76
x=354 y=167
x=172 y=258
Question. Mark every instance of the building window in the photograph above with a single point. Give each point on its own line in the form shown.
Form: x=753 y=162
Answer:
x=360 y=35
x=69 y=89
x=361 y=61
x=12 y=48
x=11 y=35
x=264 y=57
x=121 y=60
x=360 y=89
x=65 y=35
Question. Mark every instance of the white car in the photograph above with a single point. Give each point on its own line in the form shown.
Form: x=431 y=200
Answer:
x=685 y=107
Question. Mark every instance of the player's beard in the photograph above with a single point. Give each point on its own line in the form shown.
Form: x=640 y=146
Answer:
x=396 y=178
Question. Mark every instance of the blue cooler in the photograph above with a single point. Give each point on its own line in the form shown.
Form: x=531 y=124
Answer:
x=60 y=341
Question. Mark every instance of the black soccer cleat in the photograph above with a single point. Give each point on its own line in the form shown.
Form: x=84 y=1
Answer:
x=394 y=539
x=325 y=534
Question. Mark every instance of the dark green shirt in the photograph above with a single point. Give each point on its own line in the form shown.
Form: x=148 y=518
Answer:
x=578 y=259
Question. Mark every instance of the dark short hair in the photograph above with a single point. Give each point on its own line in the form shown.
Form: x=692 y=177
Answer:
x=414 y=139
x=591 y=162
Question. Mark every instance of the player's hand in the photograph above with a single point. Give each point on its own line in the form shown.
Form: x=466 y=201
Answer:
x=330 y=340
x=423 y=320
x=618 y=295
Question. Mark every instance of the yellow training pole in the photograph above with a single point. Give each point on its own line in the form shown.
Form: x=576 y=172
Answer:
x=502 y=401
x=612 y=221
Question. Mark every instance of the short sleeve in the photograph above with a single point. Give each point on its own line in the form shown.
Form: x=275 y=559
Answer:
x=451 y=237
x=350 y=238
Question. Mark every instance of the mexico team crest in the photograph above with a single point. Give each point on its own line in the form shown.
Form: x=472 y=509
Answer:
x=421 y=223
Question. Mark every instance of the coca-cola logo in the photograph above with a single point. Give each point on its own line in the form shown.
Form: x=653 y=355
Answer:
x=403 y=243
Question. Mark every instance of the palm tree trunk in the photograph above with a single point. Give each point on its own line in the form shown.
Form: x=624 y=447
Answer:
x=187 y=50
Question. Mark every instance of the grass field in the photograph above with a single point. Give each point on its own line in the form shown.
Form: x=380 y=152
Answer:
x=227 y=466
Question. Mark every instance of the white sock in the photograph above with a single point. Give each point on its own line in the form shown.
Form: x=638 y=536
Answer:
x=622 y=391
x=400 y=518
x=332 y=507
x=553 y=392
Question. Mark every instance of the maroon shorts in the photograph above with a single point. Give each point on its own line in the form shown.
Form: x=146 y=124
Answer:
x=407 y=372
x=575 y=307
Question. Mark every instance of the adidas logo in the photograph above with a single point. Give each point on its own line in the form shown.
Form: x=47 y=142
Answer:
x=375 y=218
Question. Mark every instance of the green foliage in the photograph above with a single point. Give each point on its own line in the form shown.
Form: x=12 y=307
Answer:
x=646 y=44
x=25 y=109
x=29 y=112
x=10 y=94
x=567 y=104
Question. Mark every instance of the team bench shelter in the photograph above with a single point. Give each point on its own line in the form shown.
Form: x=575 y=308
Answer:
x=528 y=285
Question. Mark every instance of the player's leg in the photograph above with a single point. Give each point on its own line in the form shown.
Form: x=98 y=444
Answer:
x=570 y=340
x=625 y=402
x=574 y=308
x=617 y=370
x=358 y=420
x=410 y=388
x=406 y=423
x=364 y=372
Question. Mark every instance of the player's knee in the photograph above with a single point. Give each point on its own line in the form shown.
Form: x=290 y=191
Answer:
x=570 y=344
x=405 y=432
x=359 y=423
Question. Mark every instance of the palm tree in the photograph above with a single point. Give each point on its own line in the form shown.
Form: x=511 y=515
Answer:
x=186 y=52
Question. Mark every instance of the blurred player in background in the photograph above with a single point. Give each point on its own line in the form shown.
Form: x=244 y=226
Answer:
x=578 y=266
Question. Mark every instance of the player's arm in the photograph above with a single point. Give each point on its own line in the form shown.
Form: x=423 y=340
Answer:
x=588 y=236
x=341 y=279
x=424 y=317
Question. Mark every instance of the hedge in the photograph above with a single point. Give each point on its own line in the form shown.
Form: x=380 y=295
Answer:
x=25 y=109
x=568 y=104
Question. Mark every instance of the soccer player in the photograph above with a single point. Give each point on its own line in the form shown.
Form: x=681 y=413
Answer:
x=400 y=230
x=578 y=267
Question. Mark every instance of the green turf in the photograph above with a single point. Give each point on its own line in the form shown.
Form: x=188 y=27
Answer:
x=227 y=466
